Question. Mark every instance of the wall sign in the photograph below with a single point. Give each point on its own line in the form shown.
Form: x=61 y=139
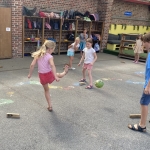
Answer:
x=7 y=29
x=128 y=13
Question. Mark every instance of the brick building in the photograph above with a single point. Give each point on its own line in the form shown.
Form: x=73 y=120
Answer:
x=110 y=11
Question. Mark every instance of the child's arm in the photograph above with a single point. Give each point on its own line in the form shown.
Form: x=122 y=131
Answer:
x=147 y=89
x=95 y=58
x=70 y=46
x=76 y=47
x=51 y=61
x=82 y=58
x=32 y=67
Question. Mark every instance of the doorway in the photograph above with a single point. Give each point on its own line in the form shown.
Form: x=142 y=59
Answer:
x=5 y=33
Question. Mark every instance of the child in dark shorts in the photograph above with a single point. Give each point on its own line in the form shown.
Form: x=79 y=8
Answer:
x=145 y=99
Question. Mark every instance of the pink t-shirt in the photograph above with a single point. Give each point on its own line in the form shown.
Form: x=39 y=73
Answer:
x=43 y=63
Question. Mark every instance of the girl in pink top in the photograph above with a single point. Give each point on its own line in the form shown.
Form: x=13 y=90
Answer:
x=46 y=68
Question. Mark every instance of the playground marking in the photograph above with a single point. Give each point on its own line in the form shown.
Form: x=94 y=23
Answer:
x=133 y=82
x=140 y=73
x=110 y=79
x=10 y=94
x=76 y=84
x=50 y=86
x=5 y=101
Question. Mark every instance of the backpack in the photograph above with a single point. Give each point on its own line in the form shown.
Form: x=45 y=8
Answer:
x=87 y=19
x=73 y=26
x=70 y=37
x=47 y=26
x=56 y=25
x=65 y=26
x=94 y=17
x=87 y=14
x=29 y=24
x=34 y=24
x=26 y=24
x=94 y=38
x=71 y=14
x=96 y=47
x=65 y=14
x=52 y=24
x=79 y=14
x=28 y=12
x=39 y=25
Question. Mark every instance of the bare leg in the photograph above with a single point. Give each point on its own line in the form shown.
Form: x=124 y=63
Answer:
x=83 y=72
x=70 y=62
x=134 y=57
x=142 y=124
x=60 y=75
x=137 y=58
x=90 y=77
x=81 y=52
x=47 y=96
x=144 y=113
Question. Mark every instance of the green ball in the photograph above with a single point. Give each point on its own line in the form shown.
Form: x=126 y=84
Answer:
x=99 y=83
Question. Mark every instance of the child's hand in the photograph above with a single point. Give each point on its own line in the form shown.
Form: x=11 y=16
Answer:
x=57 y=79
x=147 y=90
x=92 y=63
x=79 y=64
x=29 y=76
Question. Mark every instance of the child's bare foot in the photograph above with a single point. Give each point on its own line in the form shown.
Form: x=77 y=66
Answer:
x=66 y=67
x=50 y=109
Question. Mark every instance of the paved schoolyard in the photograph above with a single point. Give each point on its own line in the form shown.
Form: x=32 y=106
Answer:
x=82 y=119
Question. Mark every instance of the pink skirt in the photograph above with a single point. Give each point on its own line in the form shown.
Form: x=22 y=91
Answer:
x=46 y=78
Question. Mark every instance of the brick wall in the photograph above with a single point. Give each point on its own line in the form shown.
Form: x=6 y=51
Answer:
x=139 y=13
x=108 y=10
x=105 y=11
x=17 y=28
x=80 y=5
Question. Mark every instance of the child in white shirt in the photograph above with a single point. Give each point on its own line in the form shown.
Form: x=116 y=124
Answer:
x=89 y=56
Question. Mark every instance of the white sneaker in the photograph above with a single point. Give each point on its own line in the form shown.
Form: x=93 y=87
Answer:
x=72 y=68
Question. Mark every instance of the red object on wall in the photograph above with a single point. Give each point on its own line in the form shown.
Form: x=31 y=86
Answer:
x=138 y=2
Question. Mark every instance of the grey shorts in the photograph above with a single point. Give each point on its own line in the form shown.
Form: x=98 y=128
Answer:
x=145 y=99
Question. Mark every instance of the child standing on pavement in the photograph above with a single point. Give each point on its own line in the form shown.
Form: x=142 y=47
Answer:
x=145 y=99
x=89 y=56
x=138 y=48
x=71 y=50
x=46 y=68
x=83 y=37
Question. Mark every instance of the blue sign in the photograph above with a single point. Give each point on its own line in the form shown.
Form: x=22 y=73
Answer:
x=127 y=13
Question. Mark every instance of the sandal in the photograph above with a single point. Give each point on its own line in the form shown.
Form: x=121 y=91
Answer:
x=82 y=80
x=89 y=87
x=50 y=109
x=140 y=129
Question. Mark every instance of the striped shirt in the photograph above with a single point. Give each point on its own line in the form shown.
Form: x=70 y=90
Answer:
x=44 y=64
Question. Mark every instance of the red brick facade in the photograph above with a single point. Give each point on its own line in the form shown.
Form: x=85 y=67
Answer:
x=140 y=13
x=106 y=8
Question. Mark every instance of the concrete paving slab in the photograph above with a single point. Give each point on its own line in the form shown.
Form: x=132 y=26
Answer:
x=94 y=119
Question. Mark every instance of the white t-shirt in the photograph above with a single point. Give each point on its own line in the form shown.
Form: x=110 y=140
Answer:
x=72 y=48
x=89 y=55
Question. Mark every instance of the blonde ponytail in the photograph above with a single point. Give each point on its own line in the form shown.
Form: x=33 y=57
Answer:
x=42 y=51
